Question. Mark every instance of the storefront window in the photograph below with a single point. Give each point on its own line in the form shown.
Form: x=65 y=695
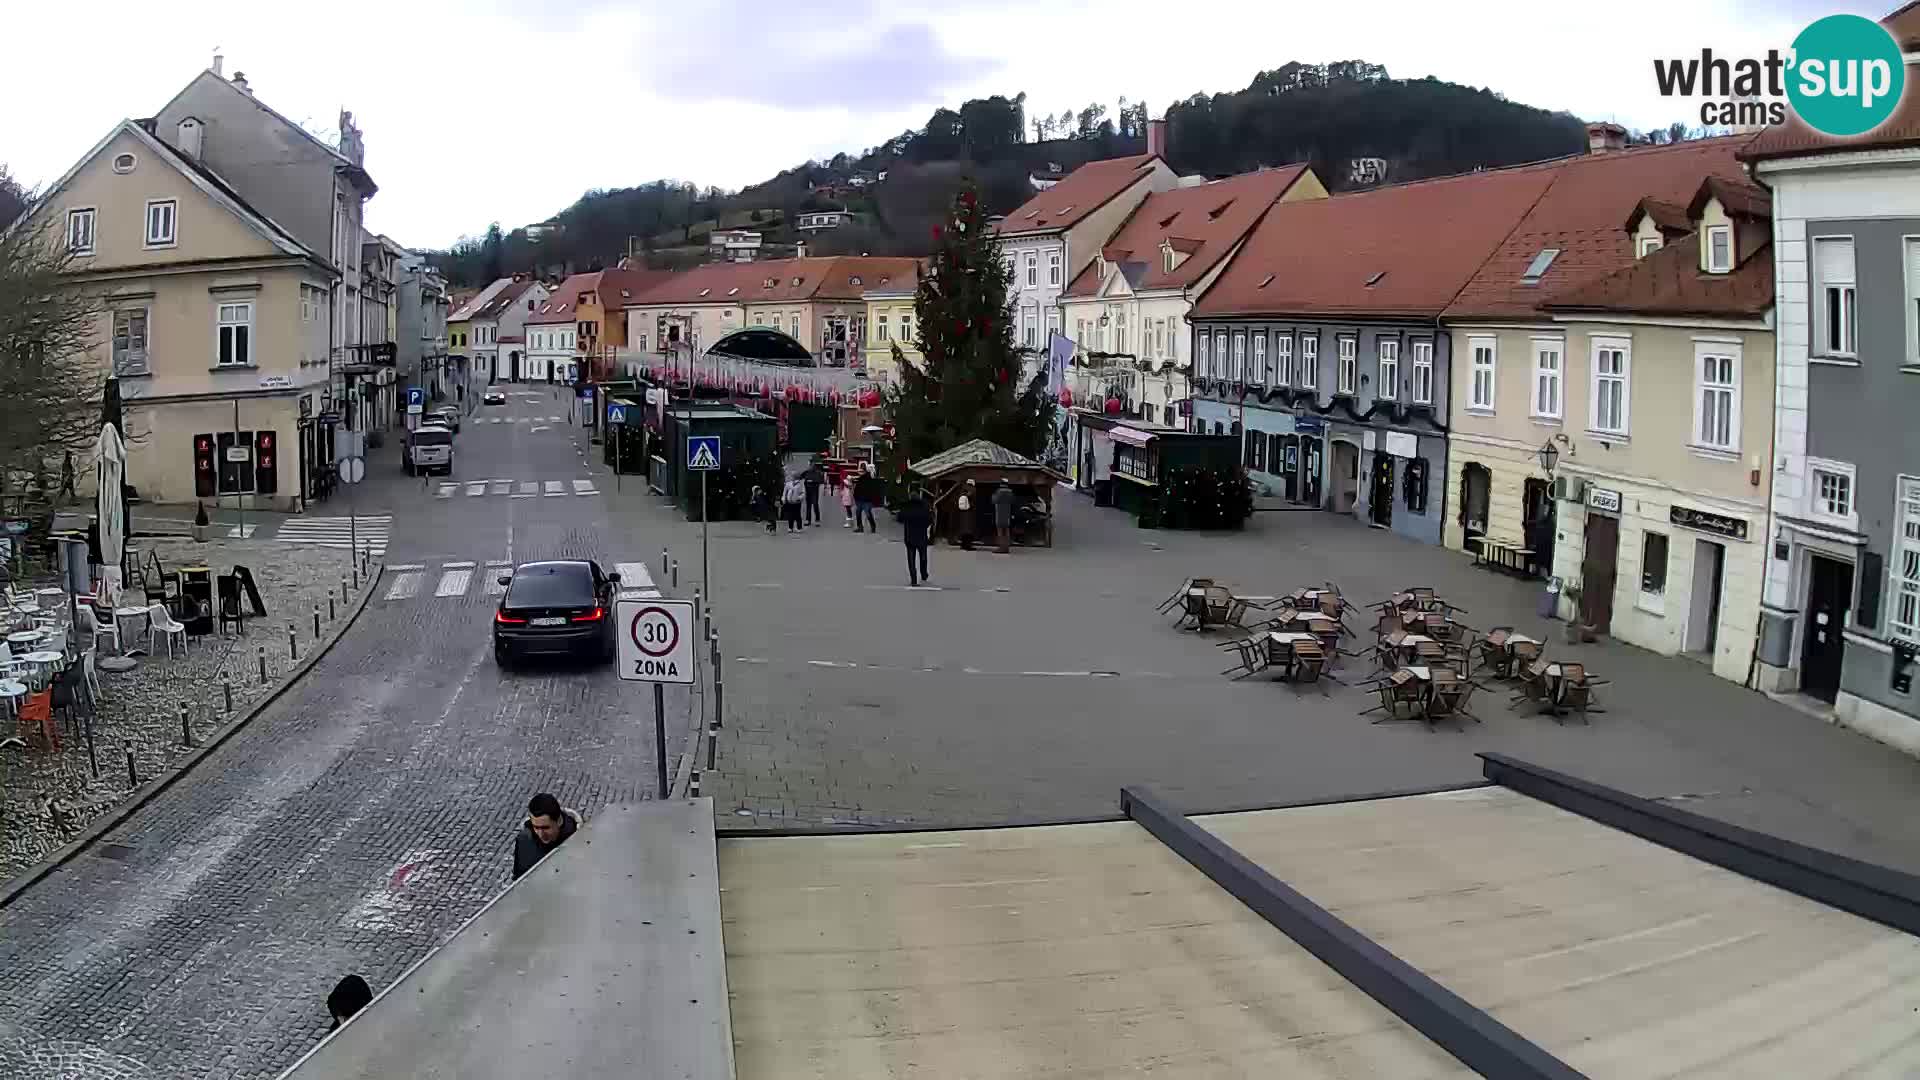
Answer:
x=1137 y=462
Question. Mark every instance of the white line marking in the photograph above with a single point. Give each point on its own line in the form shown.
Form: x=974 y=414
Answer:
x=445 y=491
x=538 y=427
x=909 y=588
x=912 y=846
x=584 y=487
x=528 y=487
x=235 y=533
x=498 y=562
x=767 y=585
x=1061 y=674
x=454 y=583
x=555 y=487
x=832 y=663
x=476 y=487
x=633 y=575
x=405 y=586
x=501 y=487
x=526 y=495
x=457 y=565
x=494 y=588
x=406 y=566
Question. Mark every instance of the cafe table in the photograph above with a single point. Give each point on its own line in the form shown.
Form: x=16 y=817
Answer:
x=26 y=639
x=12 y=693
x=122 y=615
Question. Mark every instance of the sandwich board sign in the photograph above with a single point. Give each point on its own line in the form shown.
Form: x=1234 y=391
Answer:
x=703 y=452
x=655 y=640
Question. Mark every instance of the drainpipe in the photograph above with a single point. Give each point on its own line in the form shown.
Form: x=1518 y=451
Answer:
x=1773 y=437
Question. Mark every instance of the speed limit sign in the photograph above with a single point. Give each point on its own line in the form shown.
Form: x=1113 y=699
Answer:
x=656 y=640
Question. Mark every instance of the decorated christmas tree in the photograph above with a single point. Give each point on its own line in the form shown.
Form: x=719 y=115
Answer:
x=969 y=384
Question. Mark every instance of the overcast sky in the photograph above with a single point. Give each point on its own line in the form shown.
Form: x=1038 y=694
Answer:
x=502 y=110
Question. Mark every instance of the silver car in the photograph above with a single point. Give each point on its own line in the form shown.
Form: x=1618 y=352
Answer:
x=428 y=448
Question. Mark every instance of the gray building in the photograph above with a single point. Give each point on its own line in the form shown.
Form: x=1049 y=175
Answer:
x=1321 y=345
x=421 y=341
x=1841 y=611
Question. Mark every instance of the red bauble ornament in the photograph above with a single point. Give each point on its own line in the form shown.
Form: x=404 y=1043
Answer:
x=1113 y=406
x=966 y=198
x=1066 y=397
x=1001 y=374
x=936 y=232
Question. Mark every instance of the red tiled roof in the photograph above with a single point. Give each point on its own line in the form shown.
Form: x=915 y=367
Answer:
x=1739 y=198
x=1580 y=215
x=503 y=299
x=1670 y=282
x=563 y=303
x=1425 y=239
x=1078 y=194
x=618 y=287
x=1669 y=218
x=826 y=277
x=1205 y=222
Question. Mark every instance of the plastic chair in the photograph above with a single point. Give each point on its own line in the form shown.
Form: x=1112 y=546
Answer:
x=37 y=712
x=96 y=628
x=161 y=621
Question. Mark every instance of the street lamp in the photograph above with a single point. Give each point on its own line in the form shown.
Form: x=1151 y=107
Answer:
x=1548 y=455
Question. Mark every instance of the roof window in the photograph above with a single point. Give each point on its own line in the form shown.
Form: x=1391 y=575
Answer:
x=767 y=284
x=1266 y=281
x=1214 y=214
x=735 y=291
x=1375 y=279
x=796 y=282
x=854 y=280
x=704 y=292
x=1537 y=269
x=1167 y=222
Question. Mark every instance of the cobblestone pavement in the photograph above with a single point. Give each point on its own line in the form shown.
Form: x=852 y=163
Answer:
x=139 y=711
x=1033 y=686
x=352 y=826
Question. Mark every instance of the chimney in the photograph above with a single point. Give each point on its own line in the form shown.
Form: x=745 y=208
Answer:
x=240 y=83
x=800 y=250
x=189 y=139
x=1157 y=137
x=1603 y=137
x=219 y=63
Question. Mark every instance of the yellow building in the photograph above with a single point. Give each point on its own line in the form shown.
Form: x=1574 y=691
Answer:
x=213 y=318
x=890 y=325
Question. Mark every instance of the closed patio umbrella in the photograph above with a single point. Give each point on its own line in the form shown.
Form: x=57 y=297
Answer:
x=110 y=457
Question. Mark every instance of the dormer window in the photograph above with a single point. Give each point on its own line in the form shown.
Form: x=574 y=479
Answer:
x=767 y=284
x=1537 y=269
x=735 y=291
x=1214 y=214
x=1646 y=246
x=1719 y=245
x=796 y=283
x=704 y=292
x=1376 y=278
x=854 y=280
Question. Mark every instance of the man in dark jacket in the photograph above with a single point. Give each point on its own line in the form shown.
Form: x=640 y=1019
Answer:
x=1003 y=514
x=814 y=477
x=916 y=521
x=868 y=492
x=547 y=827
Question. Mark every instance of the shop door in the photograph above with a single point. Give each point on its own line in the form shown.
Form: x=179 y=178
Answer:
x=1380 y=512
x=1829 y=595
x=1476 y=484
x=1537 y=522
x=1312 y=468
x=1599 y=570
x=1290 y=465
x=1703 y=611
x=1346 y=477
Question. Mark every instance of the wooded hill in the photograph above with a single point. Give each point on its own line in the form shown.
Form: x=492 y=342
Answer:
x=1325 y=114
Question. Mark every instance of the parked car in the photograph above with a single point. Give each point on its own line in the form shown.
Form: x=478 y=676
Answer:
x=427 y=448
x=447 y=416
x=562 y=607
x=494 y=397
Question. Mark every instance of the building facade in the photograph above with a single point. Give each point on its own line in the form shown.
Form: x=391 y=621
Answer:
x=213 y=321
x=1665 y=373
x=890 y=326
x=423 y=308
x=1842 y=601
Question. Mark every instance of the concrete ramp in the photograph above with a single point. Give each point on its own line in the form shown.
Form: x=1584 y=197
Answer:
x=604 y=962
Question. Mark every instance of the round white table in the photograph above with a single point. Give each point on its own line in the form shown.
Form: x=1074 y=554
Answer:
x=26 y=638
x=12 y=692
x=50 y=598
x=43 y=664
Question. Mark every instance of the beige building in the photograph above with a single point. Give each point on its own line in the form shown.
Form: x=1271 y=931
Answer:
x=890 y=325
x=213 y=318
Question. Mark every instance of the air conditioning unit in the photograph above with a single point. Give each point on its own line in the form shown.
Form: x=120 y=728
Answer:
x=1570 y=488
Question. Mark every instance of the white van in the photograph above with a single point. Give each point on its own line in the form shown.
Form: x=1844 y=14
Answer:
x=427 y=448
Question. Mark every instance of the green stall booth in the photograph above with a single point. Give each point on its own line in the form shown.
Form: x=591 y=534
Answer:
x=748 y=456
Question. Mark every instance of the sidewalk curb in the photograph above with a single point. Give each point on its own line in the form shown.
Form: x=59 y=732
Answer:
x=105 y=823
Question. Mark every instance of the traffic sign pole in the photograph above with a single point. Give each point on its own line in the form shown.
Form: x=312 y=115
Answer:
x=660 y=734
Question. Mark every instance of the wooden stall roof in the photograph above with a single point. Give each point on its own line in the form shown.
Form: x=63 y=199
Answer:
x=979 y=454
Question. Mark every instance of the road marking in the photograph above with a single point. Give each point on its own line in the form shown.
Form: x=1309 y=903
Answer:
x=585 y=487
x=636 y=581
x=529 y=487
x=397 y=567
x=496 y=562
x=476 y=487
x=446 y=491
x=236 y=534
x=528 y=496
x=501 y=487
x=1061 y=674
x=369 y=531
x=405 y=586
x=767 y=585
x=909 y=588
x=555 y=487
x=454 y=583
x=494 y=586
x=539 y=427
x=848 y=665
x=457 y=565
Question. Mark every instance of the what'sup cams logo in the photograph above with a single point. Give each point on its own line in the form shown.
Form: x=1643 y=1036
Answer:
x=1843 y=76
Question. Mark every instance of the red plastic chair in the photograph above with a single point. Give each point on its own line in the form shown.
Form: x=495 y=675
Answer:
x=37 y=710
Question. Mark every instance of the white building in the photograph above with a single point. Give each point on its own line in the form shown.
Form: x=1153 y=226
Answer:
x=822 y=219
x=734 y=245
x=498 y=328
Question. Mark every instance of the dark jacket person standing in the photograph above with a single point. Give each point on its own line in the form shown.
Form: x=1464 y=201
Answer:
x=1003 y=514
x=814 y=477
x=547 y=827
x=916 y=523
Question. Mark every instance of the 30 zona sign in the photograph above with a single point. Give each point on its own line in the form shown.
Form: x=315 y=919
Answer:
x=656 y=640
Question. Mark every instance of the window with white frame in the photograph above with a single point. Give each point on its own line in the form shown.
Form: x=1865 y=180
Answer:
x=1612 y=374
x=906 y=327
x=1053 y=324
x=1716 y=418
x=1389 y=385
x=1203 y=359
x=1480 y=389
x=880 y=329
x=1830 y=492
x=80 y=231
x=1547 y=368
x=236 y=334
x=796 y=327
x=130 y=341
x=1053 y=268
x=1833 y=275
x=1423 y=373
x=1904 y=571
x=1719 y=248
x=1260 y=358
x=1240 y=356
x=160 y=222
x=1310 y=360
x=1027 y=336
x=1220 y=357
x=1033 y=268
x=1647 y=245
x=1283 y=359
x=1160 y=337
x=1119 y=335
x=1349 y=372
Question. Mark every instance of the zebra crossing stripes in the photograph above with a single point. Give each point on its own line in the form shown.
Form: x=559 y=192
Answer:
x=371 y=531
x=405 y=585
x=512 y=489
x=635 y=580
x=453 y=580
x=585 y=487
x=554 y=487
x=529 y=489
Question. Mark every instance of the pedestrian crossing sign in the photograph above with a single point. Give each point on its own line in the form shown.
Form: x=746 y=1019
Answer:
x=703 y=452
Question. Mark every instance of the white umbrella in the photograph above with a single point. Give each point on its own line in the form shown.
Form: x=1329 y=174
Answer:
x=111 y=458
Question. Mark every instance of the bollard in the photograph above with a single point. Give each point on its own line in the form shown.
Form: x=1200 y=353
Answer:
x=332 y=614
x=293 y=643
x=676 y=573
x=186 y=726
x=693 y=785
x=316 y=620
x=226 y=687
x=133 y=775
x=263 y=665
x=719 y=687
x=696 y=603
x=713 y=740
x=663 y=562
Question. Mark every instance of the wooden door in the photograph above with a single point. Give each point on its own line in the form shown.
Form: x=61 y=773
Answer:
x=1829 y=595
x=1598 y=571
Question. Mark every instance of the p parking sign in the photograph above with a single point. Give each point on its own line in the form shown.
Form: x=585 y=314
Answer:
x=656 y=640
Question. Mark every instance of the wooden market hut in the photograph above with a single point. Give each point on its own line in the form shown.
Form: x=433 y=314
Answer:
x=988 y=465
x=1123 y=462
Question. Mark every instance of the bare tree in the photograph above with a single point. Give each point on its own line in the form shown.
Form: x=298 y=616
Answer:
x=50 y=384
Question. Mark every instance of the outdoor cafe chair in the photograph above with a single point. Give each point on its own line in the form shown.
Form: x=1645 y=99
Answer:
x=1451 y=699
x=1179 y=597
x=1399 y=691
x=161 y=622
x=1253 y=654
x=36 y=718
x=1578 y=697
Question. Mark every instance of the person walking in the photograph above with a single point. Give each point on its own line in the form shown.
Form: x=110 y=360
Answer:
x=916 y=523
x=548 y=826
x=846 y=502
x=813 y=478
x=964 y=505
x=790 y=500
x=1003 y=515
x=763 y=507
x=867 y=491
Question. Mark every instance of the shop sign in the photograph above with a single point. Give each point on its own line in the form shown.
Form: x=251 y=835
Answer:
x=276 y=382
x=1309 y=425
x=1687 y=517
x=1603 y=499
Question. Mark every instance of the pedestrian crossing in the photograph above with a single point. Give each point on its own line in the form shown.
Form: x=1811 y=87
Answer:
x=515 y=489
x=369 y=531
x=517 y=419
x=454 y=580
